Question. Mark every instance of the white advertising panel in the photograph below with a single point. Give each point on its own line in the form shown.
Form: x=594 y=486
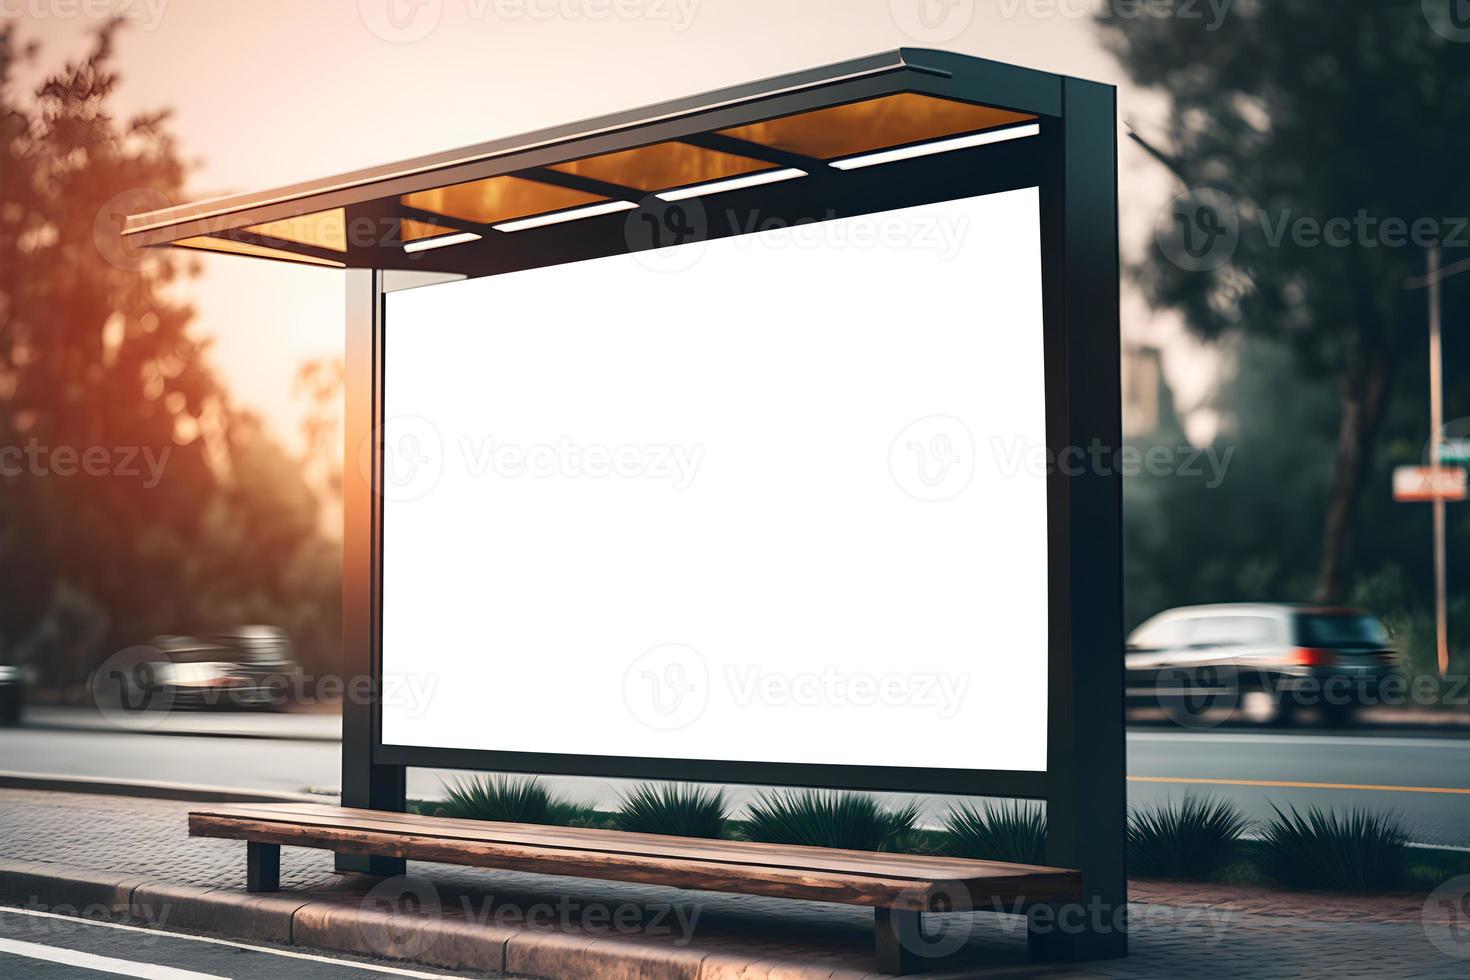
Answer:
x=772 y=498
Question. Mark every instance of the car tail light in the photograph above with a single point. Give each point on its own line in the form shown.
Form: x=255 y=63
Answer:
x=1313 y=657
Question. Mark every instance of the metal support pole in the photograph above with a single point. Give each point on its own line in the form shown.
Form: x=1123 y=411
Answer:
x=365 y=784
x=1436 y=427
x=1086 y=796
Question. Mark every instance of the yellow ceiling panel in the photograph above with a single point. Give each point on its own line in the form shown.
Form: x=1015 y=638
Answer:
x=660 y=166
x=874 y=124
x=497 y=199
x=410 y=230
x=324 y=229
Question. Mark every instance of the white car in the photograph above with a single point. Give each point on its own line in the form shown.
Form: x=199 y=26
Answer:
x=1268 y=659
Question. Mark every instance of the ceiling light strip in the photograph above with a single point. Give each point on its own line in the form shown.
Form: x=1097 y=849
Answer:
x=732 y=184
x=557 y=217
x=442 y=241
x=939 y=146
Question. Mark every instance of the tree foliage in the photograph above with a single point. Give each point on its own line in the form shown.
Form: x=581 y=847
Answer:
x=135 y=499
x=1337 y=134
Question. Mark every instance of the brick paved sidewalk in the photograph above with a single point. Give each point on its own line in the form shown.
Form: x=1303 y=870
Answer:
x=549 y=926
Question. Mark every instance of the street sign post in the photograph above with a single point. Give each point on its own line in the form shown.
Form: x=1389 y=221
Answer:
x=1439 y=486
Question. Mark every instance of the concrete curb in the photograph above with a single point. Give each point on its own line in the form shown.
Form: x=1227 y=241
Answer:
x=339 y=923
x=46 y=719
x=67 y=890
x=345 y=920
x=149 y=789
x=238 y=915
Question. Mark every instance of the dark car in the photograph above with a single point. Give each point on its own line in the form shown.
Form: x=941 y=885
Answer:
x=246 y=667
x=12 y=695
x=1266 y=659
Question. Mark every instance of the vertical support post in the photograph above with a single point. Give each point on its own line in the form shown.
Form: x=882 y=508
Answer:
x=1436 y=437
x=1086 y=756
x=262 y=867
x=896 y=939
x=365 y=784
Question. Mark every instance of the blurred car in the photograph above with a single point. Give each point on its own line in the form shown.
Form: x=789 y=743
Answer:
x=1267 y=659
x=12 y=694
x=247 y=667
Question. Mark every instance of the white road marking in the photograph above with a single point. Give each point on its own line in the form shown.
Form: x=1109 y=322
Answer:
x=102 y=964
x=347 y=964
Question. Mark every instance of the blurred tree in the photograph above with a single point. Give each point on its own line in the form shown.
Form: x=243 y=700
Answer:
x=134 y=499
x=1321 y=134
x=1192 y=540
x=321 y=382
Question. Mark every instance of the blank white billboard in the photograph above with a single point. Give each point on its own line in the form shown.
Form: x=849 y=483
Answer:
x=772 y=498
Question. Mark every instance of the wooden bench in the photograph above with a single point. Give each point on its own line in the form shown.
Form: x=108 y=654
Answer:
x=899 y=887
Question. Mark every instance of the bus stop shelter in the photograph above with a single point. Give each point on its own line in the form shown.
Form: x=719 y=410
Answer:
x=872 y=135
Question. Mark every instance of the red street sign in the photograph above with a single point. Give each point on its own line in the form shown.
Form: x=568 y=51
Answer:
x=1420 y=484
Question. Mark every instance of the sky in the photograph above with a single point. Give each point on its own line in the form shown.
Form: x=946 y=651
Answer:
x=270 y=92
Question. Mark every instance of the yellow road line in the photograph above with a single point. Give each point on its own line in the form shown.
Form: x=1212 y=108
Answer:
x=1286 y=784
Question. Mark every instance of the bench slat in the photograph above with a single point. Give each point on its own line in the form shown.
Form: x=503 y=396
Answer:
x=918 y=882
x=916 y=866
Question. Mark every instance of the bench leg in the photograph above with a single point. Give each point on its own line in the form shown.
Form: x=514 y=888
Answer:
x=898 y=940
x=374 y=864
x=1049 y=940
x=262 y=867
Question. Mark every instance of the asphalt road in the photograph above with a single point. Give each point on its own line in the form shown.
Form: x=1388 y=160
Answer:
x=1424 y=779
x=43 y=946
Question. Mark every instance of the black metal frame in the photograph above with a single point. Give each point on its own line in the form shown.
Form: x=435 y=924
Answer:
x=1073 y=162
x=925 y=180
